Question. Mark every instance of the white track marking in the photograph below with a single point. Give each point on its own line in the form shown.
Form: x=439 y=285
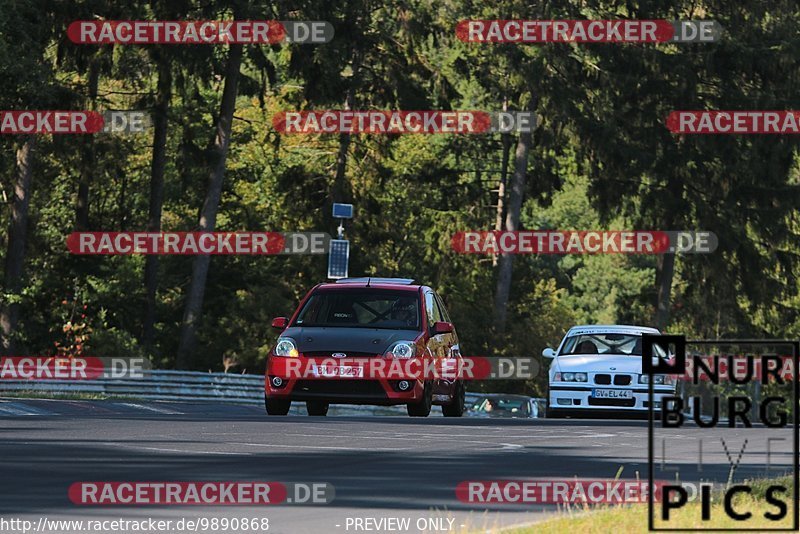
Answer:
x=19 y=408
x=282 y=446
x=183 y=451
x=149 y=408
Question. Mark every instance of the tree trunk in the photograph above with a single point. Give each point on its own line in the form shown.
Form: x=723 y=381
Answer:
x=208 y=215
x=665 y=269
x=515 y=194
x=339 y=191
x=17 y=240
x=88 y=155
x=82 y=202
x=501 y=189
x=665 y=264
x=159 y=161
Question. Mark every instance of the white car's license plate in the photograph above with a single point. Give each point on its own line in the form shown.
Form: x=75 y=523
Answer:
x=339 y=371
x=612 y=394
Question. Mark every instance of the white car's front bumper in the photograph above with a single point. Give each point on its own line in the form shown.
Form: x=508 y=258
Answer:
x=577 y=396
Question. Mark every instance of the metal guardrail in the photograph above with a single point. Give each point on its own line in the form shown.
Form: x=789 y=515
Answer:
x=186 y=386
x=157 y=385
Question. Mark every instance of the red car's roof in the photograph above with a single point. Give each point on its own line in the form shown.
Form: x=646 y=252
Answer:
x=372 y=285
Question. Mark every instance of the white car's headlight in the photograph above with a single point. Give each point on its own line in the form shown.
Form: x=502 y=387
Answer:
x=571 y=377
x=402 y=349
x=657 y=379
x=286 y=348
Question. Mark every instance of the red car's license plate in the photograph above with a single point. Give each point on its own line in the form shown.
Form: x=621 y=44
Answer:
x=339 y=371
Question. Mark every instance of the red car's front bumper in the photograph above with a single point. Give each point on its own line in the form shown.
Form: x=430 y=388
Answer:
x=353 y=390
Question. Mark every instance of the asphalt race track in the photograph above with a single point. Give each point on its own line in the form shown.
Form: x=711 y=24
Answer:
x=380 y=466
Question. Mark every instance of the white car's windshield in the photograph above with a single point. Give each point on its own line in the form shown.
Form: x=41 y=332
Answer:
x=607 y=343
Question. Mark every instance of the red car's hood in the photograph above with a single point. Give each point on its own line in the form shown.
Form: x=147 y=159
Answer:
x=344 y=339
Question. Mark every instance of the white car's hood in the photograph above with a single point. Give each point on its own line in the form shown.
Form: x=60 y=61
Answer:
x=598 y=363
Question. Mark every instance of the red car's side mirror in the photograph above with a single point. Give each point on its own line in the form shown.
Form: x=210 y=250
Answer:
x=280 y=323
x=442 y=327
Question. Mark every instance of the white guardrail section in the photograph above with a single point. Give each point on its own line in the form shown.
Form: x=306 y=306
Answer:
x=185 y=386
x=156 y=385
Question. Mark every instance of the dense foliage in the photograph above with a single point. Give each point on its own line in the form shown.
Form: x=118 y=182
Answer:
x=601 y=158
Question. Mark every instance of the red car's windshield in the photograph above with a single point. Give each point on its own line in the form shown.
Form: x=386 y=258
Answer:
x=371 y=308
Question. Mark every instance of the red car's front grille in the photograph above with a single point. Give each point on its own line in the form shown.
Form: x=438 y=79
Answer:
x=340 y=387
x=350 y=354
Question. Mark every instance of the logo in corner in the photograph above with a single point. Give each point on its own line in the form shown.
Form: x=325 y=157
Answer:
x=668 y=362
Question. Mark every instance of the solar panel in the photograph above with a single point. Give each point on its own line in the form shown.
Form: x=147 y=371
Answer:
x=343 y=211
x=338 y=258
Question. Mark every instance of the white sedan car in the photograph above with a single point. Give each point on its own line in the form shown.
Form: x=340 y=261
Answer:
x=598 y=368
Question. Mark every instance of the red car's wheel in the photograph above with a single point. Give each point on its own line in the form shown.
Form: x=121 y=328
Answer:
x=277 y=406
x=456 y=406
x=423 y=407
x=317 y=408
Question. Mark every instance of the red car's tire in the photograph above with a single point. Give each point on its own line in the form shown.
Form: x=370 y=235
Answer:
x=456 y=406
x=277 y=406
x=423 y=407
x=317 y=408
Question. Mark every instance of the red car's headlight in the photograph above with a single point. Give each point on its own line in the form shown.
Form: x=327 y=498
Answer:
x=286 y=348
x=402 y=349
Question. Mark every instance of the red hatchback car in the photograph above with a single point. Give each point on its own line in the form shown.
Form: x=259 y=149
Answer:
x=352 y=321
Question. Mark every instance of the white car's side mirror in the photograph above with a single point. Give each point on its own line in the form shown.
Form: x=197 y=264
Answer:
x=549 y=353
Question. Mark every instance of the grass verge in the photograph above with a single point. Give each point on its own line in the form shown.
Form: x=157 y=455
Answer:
x=36 y=394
